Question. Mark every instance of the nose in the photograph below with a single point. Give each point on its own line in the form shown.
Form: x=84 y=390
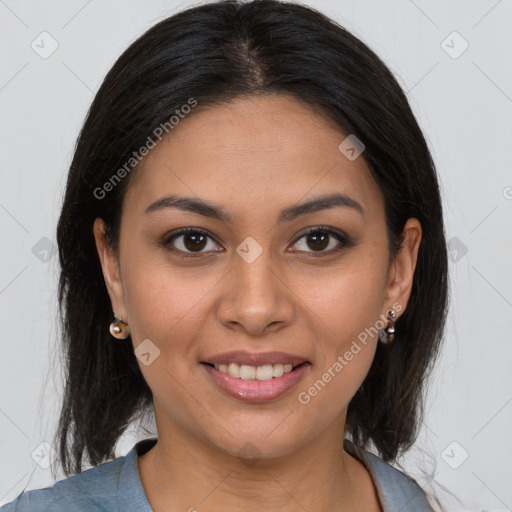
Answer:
x=255 y=296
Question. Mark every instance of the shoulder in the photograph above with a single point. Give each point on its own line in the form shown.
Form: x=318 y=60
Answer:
x=396 y=490
x=93 y=490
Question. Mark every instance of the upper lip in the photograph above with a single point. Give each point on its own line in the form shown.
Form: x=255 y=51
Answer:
x=255 y=358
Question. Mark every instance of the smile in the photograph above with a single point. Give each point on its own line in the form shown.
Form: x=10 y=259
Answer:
x=256 y=383
x=246 y=372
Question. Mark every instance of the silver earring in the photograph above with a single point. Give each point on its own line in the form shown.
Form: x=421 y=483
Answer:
x=119 y=329
x=388 y=334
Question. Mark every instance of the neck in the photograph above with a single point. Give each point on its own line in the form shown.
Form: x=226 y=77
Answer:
x=182 y=473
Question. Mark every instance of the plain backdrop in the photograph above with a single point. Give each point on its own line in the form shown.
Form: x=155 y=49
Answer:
x=454 y=60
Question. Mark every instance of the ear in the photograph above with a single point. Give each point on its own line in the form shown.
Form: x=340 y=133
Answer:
x=111 y=271
x=401 y=270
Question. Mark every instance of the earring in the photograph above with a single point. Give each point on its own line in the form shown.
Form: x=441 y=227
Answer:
x=389 y=331
x=118 y=328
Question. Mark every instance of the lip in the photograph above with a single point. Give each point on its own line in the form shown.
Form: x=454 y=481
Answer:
x=257 y=390
x=255 y=358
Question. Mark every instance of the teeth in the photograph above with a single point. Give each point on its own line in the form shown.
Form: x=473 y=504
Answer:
x=246 y=372
x=233 y=370
x=277 y=370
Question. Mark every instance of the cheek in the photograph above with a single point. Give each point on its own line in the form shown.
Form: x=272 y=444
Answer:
x=348 y=305
x=164 y=303
x=168 y=308
x=348 y=299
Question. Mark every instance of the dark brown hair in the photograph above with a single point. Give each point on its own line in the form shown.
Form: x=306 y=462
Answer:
x=215 y=53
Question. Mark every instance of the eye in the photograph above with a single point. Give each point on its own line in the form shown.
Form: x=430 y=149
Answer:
x=193 y=242
x=190 y=241
x=320 y=238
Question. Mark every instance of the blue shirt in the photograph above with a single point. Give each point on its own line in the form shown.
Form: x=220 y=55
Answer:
x=115 y=486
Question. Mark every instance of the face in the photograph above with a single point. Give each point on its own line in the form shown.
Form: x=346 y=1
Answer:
x=264 y=276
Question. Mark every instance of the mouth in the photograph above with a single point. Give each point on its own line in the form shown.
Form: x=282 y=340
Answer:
x=250 y=383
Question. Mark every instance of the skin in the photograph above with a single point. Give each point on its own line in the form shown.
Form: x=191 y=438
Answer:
x=253 y=157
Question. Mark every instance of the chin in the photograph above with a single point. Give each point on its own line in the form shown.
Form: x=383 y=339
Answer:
x=251 y=446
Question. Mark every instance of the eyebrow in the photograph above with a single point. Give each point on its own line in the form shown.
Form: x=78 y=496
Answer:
x=208 y=209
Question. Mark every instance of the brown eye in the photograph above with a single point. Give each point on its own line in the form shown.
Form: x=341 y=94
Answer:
x=189 y=241
x=194 y=242
x=319 y=239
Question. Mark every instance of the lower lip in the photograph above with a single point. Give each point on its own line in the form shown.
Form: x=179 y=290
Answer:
x=257 y=390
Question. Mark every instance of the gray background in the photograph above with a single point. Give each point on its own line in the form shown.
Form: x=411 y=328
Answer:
x=463 y=101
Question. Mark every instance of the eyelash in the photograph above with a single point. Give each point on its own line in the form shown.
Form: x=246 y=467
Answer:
x=343 y=239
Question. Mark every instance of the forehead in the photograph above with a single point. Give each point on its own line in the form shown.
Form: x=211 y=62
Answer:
x=262 y=149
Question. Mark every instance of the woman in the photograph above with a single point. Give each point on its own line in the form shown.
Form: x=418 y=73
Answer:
x=252 y=246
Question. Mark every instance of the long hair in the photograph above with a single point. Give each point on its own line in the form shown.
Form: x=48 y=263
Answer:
x=216 y=53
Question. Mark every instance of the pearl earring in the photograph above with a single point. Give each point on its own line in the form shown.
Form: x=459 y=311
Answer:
x=118 y=328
